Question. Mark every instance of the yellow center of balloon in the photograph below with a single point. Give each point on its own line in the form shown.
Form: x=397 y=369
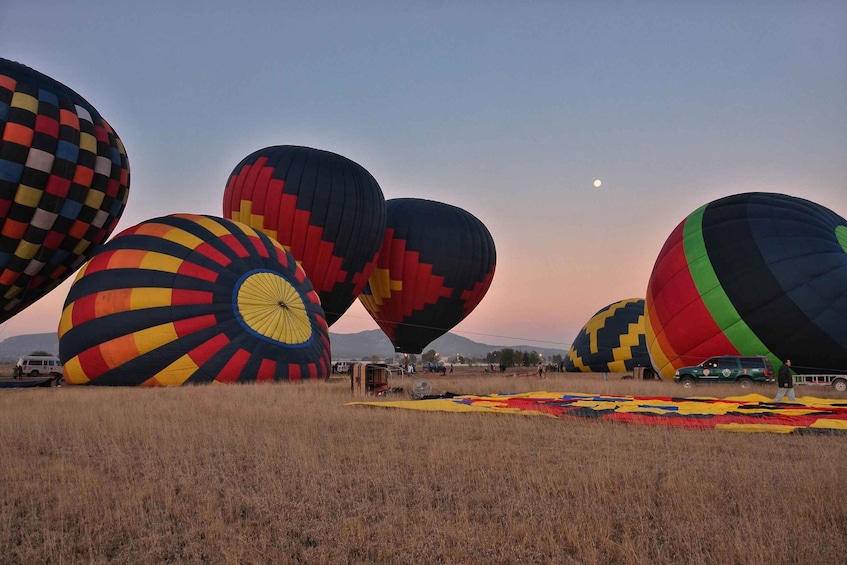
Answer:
x=271 y=307
x=841 y=235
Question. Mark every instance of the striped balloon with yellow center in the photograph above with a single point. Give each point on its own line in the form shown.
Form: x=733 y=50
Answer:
x=189 y=299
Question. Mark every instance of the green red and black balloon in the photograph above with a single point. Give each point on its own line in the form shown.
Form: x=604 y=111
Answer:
x=64 y=182
x=751 y=274
x=187 y=299
x=612 y=341
x=327 y=210
x=435 y=266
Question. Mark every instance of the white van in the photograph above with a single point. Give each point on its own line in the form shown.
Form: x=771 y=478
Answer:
x=37 y=366
x=342 y=367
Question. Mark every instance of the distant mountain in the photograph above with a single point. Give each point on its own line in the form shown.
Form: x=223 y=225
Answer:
x=374 y=342
x=13 y=347
x=344 y=346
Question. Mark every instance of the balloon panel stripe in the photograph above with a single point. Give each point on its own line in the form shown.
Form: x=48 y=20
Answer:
x=721 y=308
x=87 y=332
x=139 y=370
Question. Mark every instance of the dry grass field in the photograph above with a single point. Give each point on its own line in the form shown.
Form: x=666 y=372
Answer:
x=288 y=474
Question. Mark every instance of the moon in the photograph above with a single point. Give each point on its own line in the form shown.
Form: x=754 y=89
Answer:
x=597 y=183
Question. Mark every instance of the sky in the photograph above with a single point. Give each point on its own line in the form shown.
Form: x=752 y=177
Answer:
x=510 y=110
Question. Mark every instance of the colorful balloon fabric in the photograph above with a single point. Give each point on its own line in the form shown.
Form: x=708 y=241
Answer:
x=752 y=274
x=612 y=341
x=750 y=413
x=328 y=211
x=64 y=182
x=188 y=299
x=436 y=264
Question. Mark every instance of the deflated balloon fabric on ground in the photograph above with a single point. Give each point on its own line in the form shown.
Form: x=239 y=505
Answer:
x=750 y=413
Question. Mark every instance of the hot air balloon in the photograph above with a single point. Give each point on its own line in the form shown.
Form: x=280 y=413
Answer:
x=64 y=182
x=751 y=274
x=324 y=208
x=436 y=264
x=612 y=341
x=188 y=299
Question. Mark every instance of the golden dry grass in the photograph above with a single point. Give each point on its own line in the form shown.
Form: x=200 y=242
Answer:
x=287 y=474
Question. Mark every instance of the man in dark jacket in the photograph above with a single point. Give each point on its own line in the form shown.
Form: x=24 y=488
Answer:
x=785 y=380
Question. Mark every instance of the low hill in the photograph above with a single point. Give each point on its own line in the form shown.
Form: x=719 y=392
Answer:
x=13 y=347
x=344 y=346
x=375 y=342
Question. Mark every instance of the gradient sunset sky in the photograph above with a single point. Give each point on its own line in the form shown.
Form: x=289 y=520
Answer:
x=510 y=110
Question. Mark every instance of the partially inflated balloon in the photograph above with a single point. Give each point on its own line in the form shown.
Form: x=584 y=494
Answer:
x=324 y=208
x=752 y=274
x=189 y=299
x=64 y=182
x=436 y=264
x=611 y=341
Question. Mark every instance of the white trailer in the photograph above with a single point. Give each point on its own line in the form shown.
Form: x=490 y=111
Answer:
x=838 y=382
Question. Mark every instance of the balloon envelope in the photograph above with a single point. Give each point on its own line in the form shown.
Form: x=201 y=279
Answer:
x=192 y=299
x=751 y=274
x=612 y=341
x=64 y=182
x=324 y=208
x=436 y=264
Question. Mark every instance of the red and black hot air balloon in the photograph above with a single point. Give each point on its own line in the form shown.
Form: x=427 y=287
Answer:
x=436 y=264
x=327 y=210
x=64 y=182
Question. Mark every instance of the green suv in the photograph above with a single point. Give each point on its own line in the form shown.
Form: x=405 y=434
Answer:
x=727 y=369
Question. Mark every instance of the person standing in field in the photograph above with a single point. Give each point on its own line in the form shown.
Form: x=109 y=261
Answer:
x=785 y=380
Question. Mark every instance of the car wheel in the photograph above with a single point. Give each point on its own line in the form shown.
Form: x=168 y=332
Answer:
x=34 y=373
x=687 y=382
x=840 y=385
x=745 y=383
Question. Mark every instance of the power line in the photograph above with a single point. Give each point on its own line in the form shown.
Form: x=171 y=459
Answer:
x=565 y=345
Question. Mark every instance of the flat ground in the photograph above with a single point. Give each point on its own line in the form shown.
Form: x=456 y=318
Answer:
x=286 y=473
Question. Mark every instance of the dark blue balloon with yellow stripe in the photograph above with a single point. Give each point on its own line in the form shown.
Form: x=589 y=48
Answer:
x=612 y=341
x=188 y=299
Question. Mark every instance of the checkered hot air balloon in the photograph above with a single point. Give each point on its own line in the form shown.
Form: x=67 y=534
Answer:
x=612 y=341
x=188 y=299
x=64 y=182
x=751 y=274
x=436 y=264
x=327 y=210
